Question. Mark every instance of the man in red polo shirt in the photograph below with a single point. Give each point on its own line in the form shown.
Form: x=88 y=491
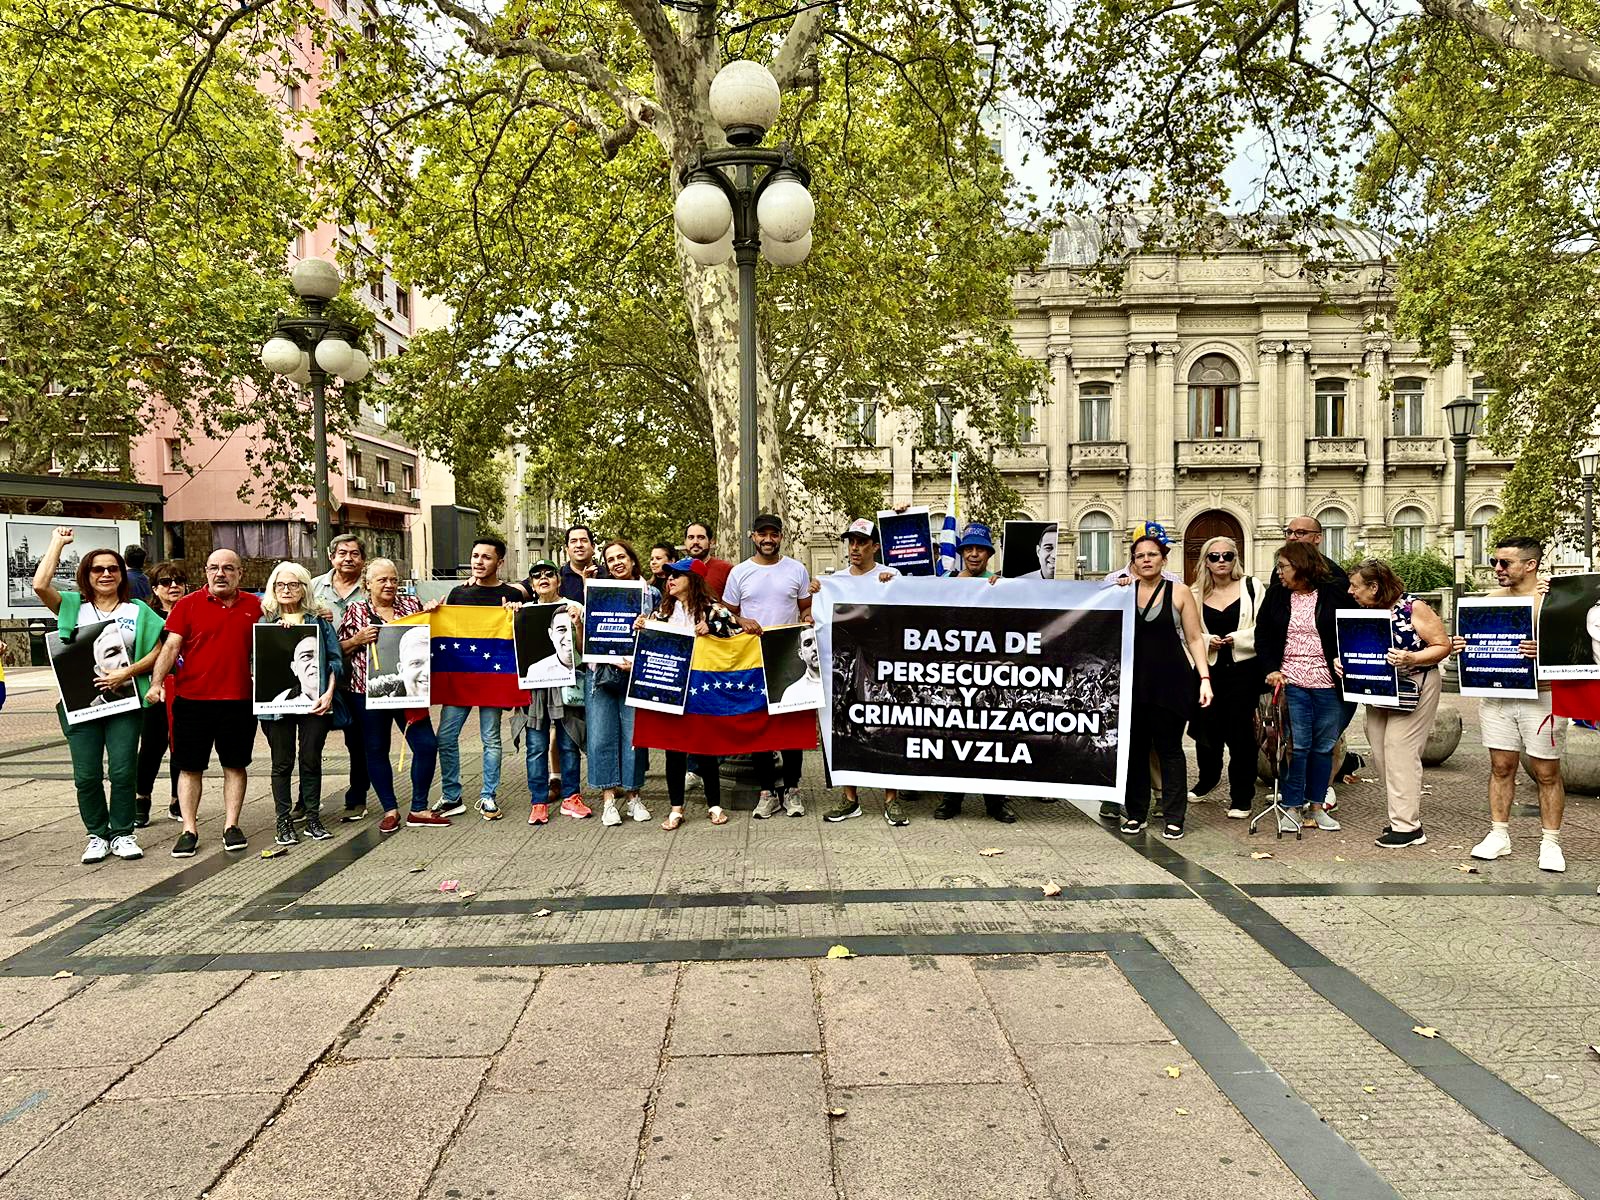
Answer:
x=211 y=628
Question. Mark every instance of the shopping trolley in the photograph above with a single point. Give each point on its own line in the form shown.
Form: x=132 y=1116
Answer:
x=1275 y=743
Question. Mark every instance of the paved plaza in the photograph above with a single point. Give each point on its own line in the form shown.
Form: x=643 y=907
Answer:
x=1043 y=1009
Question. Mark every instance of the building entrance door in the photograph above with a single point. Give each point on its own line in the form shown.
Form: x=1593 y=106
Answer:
x=1204 y=527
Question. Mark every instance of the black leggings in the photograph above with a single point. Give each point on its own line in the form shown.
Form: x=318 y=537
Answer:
x=1153 y=728
x=1237 y=732
x=706 y=766
x=152 y=748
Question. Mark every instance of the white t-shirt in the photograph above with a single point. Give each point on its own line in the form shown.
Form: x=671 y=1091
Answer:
x=877 y=569
x=125 y=615
x=768 y=595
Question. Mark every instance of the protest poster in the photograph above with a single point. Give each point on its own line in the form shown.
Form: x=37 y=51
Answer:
x=610 y=607
x=27 y=539
x=286 y=669
x=399 y=665
x=1493 y=663
x=1029 y=550
x=905 y=541
x=546 y=643
x=659 y=680
x=791 y=668
x=954 y=685
x=1365 y=639
x=1569 y=628
x=90 y=654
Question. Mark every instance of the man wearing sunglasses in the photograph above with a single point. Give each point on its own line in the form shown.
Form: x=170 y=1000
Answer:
x=1309 y=531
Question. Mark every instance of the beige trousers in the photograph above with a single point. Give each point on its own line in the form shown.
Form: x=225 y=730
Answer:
x=1397 y=739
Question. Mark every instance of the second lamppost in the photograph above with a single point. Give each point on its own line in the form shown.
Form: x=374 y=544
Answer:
x=745 y=201
x=1463 y=415
x=1588 y=460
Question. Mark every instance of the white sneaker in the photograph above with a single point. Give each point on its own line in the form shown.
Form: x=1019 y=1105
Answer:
x=792 y=805
x=766 y=806
x=693 y=782
x=96 y=850
x=1550 y=856
x=1330 y=800
x=125 y=847
x=1289 y=821
x=611 y=816
x=1496 y=845
x=1323 y=820
x=637 y=810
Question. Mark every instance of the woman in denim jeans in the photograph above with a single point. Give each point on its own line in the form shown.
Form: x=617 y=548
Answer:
x=613 y=763
x=1298 y=643
x=555 y=708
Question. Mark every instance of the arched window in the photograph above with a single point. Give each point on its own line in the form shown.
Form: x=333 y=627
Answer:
x=1408 y=524
x=1094 y=543
x=1409 y=395
x=1094 y=412
x=1333 y=525
x=1330 y=408
x=1482 y=521
x=1214 y=398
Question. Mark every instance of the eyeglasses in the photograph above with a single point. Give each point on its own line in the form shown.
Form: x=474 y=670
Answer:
x=289 y=583
x=106 y=569
x=1504 y=563
x=1291 y=531
x=222 y=570
x=1225 y=556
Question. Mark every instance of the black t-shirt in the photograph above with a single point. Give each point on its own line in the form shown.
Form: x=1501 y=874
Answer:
x=487 y=597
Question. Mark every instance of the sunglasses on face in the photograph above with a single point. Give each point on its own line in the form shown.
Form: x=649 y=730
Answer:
x=170 y=582
x=1504 y=563
x=111 y=569
x=1225 y=556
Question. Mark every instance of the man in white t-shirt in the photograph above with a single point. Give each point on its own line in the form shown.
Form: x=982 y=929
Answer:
x=769 y=588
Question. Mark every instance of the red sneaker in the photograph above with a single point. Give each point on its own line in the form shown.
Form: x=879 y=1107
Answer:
x=425 y=819
x=390 y=822
x=573 y=806
x=540 y=815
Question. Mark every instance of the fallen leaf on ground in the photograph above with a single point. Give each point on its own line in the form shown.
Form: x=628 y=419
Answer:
x=991 y=851
x=1052 y=888
x=1364 y=1116
x=274 y=852
x=1466 y=870
x=1260 y=854
x=467 y=895
x=1596 y=1049
x=62 y=975
x=543 y=912
x=1182 y=1112
x=836 y=1113
x=1174 y=1072
x=450 y=885
x=279 y=975
x=840 y=952
x=1338 y=858
x=1369 y=1090
x=1427 y=1031
x=418 y=869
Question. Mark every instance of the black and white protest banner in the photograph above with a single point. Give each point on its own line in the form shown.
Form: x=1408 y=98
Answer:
x=88 y=656
x=1021 y=688
x=399 y=664
x=905 y=541
x=610 y=607
x=546 y=645
x=659 y=680
x=791 y=665
x=1493 y=663
x=286 y=669
x=1365 y=639
x=1029 y=550
x=1569 y=628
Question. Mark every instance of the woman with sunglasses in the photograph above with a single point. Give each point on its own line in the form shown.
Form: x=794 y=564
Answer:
x=1228 y=599
x=108 y=746
x=168 y=583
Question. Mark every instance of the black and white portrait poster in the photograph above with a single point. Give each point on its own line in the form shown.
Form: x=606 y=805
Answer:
x=1365 y=639
x=26 y=540
x=93 y=652
x=286 y=669
x=546 y=641
x=1029 y=550
x=1569 y=628
x=792 y=666
x=1493 y=664
x=659 y=680
x=954 y=685
x=398 y=665
x=610 y=607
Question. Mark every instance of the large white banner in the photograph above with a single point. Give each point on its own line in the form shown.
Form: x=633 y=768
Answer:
x=1018 y=688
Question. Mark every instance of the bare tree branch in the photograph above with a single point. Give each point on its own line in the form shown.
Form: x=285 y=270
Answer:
x=802 y=39
x=1564 y=50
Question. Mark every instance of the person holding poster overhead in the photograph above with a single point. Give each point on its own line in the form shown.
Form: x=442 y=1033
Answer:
x=614 y=764
x=358 y=632
x=1397 y=735
x=106 y=746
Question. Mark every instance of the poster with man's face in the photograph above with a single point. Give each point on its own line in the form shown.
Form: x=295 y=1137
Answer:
x=792 y=665
x=286 y=669
x=80 y=666
x=546 y=645
x=397 y=667
x=1030 y=550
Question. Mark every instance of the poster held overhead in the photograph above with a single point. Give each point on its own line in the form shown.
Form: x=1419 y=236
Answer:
x=1569 y=628
x=546 y=645
x=610 y=607
x=399 y=665
x=1030 y=550
x=660 y=677
x=1493 y=663
x=92 y=652
x=792 y=668
x=286 y=669
x=25 y=543
x=1365 y=639
x=905 y=541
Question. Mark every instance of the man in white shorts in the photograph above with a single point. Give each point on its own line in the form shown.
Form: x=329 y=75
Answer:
x=1512 y=728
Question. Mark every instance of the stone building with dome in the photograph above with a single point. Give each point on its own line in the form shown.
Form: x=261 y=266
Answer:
x=1218 y=394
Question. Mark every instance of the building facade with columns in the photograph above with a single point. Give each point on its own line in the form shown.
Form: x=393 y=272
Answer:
x=1220 y=394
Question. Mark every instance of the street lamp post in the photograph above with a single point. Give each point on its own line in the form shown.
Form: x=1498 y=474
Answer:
x=1463 y=416
x=307 y=349
x=1588 y=460
x=739 y=202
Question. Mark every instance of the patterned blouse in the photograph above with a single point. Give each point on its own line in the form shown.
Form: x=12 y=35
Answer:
x=1406 y=636
x=357 y=617
x=1304 y=663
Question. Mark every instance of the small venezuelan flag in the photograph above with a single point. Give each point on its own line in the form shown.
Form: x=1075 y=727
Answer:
x=474 y=658
x=727 y=708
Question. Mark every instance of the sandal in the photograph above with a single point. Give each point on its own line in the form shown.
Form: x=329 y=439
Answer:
x=717 y=816
x=674 y=819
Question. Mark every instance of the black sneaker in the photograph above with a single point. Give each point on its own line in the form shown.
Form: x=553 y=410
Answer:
x=286 y=834
x=298 y=812
x=186 y=845
x=948 y=806
x=1132 y=826
x=174 y=811
x=449 y=808
x=354 y=812
x=1172 y=832
x=315 y=830
x=233 y=839
x=1110 y=811
x=141 y=811
x=1000 y=810
x=1393 y=839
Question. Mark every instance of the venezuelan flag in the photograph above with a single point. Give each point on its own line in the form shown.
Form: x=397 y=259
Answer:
x=474 y=660
x=727 y=708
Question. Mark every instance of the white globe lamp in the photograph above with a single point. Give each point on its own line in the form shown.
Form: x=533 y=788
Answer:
x=711 y=254
x=333 y=355
x=315 y=279
x=360 y=364
x=745 y=101
x=702 y=212
x=280 y=356
x=302 y=373
x=786 y=254
x=786 y=209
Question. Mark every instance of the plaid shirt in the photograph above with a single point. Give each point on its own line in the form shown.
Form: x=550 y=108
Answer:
x=357 y=617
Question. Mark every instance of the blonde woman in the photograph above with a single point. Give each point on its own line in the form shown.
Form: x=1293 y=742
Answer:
x=1228 y=601
x=287 y=600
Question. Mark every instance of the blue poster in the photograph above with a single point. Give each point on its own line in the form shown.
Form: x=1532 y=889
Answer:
x=660 y=677
x=906 y=541
x=610 y=607
x=1493 y=663
x=1365 y=639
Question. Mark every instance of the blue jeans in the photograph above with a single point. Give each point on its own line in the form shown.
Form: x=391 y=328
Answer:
x=451 y=718
x=377 y=724
x=1316 y=719
x=612 y=762
x=538 y=747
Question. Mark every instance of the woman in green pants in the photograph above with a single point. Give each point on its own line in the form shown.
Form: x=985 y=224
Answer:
x=108 y=746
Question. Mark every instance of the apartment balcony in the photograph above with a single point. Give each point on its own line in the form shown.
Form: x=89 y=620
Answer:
x=1413 y=451
x=1098 y=457
x=1030 y=458
x=866 y=460
x=930 y=460
x=1220 y=454
x=1336 y=452
x=1480 y=457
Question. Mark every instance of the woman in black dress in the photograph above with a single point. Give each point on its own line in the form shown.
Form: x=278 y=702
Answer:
x=1228 y=599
